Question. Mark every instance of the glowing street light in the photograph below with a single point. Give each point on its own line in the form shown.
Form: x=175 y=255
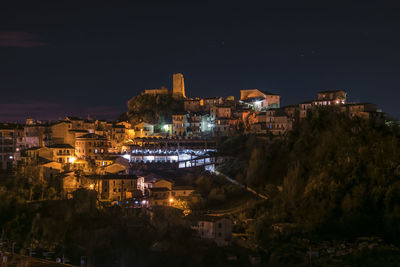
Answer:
x=166 y=127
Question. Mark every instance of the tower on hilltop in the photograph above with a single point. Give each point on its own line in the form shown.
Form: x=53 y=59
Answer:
x=178 y=86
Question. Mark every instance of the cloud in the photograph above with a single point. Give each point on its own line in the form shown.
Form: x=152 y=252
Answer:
x=20 y=39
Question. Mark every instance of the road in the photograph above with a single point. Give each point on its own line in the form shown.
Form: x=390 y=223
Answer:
x=251 y=190
x=22 y=260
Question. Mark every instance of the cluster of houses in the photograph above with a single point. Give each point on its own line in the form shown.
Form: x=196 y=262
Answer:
x=256 y=111
x=101 y=148
x=100 y=155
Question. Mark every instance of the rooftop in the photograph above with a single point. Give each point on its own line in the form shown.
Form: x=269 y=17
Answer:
x=92 y=136
x=112 y=177
x=61 y=146
x=331 y=91
x=183 y=187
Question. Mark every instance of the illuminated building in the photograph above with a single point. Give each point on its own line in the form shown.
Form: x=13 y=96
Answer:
x=143 y=129
x=11 y=136
x=329 y=98
x=259 y=100
x=179 y=124
x=63 y=153
x=60 y=133
x=91 y=146
x=36 y=135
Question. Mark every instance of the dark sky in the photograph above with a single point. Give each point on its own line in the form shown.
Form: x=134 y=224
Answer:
x=80 y=57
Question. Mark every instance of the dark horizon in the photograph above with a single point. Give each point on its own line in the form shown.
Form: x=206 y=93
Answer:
x=72 y=58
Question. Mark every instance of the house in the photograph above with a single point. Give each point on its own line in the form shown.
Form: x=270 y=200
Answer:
x=192 y=105
x=11 y=138
x=114 y=168
x=222 y=127
x=292 y=111
x=63 y=153
x=50 y=169
x=208 y=102
x=328 y=98
x=304 y=108
x=104 y=161
x=220 y=111
x=179 y=124
x=362 y=110
x=70 y=183
x=91 y=146
x=36 y=135
x=60 y=133
x=159 y=196
x=117 y=136
x=259 y=100
x=148 y=181
x=143 y=129
x=164 y=194
x=278 y=123
x=215 y=228
x=33 y=155
x=112 y=186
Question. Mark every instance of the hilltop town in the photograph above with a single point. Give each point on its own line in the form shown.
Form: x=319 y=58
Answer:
x=100 y=146
x=172 y=158
x=111 y=155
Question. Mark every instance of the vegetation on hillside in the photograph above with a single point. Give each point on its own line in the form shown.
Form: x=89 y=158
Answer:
x=332 y=177
x=105 y=235
x=152 y=109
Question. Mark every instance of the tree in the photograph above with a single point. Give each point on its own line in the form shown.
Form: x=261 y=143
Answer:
x=154 y=109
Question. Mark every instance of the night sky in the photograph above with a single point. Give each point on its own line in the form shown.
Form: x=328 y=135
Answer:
x=79 y=57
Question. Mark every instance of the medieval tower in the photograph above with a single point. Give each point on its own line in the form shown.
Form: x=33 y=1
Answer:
x=178 y=86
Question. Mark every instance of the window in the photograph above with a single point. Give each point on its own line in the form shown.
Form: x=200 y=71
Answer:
x=219 y=234
x=219 y=225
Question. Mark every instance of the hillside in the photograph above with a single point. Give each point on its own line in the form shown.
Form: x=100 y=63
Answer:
x=332 y=178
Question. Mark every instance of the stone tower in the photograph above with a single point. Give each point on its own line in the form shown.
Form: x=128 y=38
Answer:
x=178 y=86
